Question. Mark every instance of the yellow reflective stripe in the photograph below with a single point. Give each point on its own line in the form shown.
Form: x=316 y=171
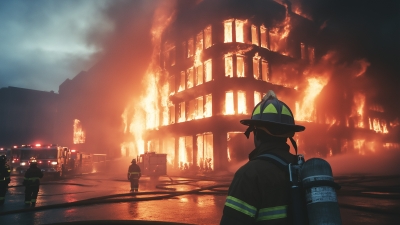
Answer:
x=285 y=111
x=257 y=110
x=240 y=206
x=270 y=109
x=9 y=170
x=272 y=213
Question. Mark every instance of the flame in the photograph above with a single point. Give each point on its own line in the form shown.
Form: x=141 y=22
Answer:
x=358 y=109
x=228 y=30
x=79 y=135
x=242 y=109
x=306 y=110
x=279 y=34
x=239 y=30
x=395 y=123
x=229 y=105
x=379 y=126
x=228 y=66
x=205 y=152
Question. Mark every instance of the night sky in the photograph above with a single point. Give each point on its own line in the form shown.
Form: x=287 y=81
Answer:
x=44 y=42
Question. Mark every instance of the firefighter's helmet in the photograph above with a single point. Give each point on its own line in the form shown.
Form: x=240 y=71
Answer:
x=133 y=161
x=274 y=117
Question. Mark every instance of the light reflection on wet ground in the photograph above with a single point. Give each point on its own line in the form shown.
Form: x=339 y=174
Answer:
x=189 y=208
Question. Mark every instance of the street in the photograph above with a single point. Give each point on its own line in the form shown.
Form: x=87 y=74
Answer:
x=198 y=199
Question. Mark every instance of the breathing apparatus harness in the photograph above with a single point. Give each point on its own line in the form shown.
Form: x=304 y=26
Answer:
x=311 y=182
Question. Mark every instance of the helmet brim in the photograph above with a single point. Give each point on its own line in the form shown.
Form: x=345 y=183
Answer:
x=274 y=127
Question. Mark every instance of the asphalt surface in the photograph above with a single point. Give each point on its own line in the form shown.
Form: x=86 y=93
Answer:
x=366 y=200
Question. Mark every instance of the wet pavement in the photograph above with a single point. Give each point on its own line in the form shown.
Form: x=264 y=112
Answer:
x=363 y=200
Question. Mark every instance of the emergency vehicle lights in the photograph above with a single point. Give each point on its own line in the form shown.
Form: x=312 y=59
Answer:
x=38 y=145
x=53 y=163
x=23 y=163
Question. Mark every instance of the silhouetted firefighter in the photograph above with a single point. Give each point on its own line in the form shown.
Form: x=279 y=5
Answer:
x=133 y=175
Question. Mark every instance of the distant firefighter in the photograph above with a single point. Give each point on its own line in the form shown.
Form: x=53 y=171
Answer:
x=4 y=178
x=32 y=182
x=133 y=175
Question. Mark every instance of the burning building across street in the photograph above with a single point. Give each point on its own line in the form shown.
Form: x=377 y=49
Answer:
x=213 y=62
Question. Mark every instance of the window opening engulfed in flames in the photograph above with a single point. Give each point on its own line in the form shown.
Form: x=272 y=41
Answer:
x=182 y=112
x=208 y=70
x=190 y=48
x=199 y=41
x=257 y=97
x=190 y=78
x=171 y=85
x=208 y=106
x=182 y=81
x=228 y=31
x=185 y=152
x=205 y=152
x=256 y=67
x=264 y=37
x=239 y=30
x=265 y=70
x=303 y=51
x=254 y=35
x=229 y=105
x=168 y=147
x=228 y=66
x=242 y=108
x=171 y=111
x=311 y=54
x=79 y=135
x=199 y=74
x=240 y=66
x=207 y=37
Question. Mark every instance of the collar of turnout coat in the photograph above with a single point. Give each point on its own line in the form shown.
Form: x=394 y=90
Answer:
x=268 y=148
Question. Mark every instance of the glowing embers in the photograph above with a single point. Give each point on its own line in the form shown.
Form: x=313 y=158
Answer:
x=239 y=30
x=205 y=152
x=379 y=126
x=185 y=152
x=79 y=134
x=240 y=97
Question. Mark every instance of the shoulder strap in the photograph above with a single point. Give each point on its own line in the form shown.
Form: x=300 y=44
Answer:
x=278 y=161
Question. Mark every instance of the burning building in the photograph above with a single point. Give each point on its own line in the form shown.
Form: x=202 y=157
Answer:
x=214 y=61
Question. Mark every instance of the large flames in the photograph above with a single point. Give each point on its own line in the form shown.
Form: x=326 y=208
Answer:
x=154 y=109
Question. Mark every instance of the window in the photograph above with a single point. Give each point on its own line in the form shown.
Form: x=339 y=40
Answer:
x=199 y=74
x=185 y=153
x=208 y=70
x=190 y=50
x=264 y=37
x=311 y=54
x=199 y=41
x=190 y=78
x=265 y=70
x=228 y=31
x=228 y=66
x=182 y=81
x=229 y=105
x=172 y=57
x=207 y=37
x=256 y=67
x=182 y=112
x=254 y=35
x=240 y=66
x=171 y=110
x=205 y=151
x=191 y=113
x=199 y=107
x=208 y=106
x=239 y=31
x=257 y=97
x=242 y=108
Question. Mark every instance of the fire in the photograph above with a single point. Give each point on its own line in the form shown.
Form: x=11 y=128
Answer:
x=229 y=104
x=279 y=34
x=306 y=110
x=358 y=110
x=379 y=126
x=79 y=134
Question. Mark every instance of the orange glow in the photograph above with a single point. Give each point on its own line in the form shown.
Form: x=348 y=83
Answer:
x=228 y=66
x=256 y=67
x=359 y=146
x=379 y=126
x=229 y=106
x=376 y=108
x=395 y=123
x=208 y=106
x=279 y=34
x=79 y=135
x=240 y=66
x=257 y=97
x=208 y=70
x=358 y=110
x=305 y=111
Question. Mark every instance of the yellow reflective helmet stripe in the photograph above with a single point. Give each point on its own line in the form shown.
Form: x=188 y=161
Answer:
x=257 y=110
x=270 y=109
x=285 y=111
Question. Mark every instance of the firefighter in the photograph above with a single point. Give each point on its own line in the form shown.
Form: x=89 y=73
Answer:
x=32 y=182
x=4 y=178
x=133 y=175
x=259 y=192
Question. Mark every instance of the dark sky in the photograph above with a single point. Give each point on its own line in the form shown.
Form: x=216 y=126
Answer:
x=42 y=42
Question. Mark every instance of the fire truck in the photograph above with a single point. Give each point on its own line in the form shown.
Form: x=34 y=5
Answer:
x=52 y=159
x=152 y=164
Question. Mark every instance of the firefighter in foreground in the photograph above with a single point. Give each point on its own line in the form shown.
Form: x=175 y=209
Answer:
x=4 y=178
x=32 y=182
x=259 y=192
x=133 y=175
